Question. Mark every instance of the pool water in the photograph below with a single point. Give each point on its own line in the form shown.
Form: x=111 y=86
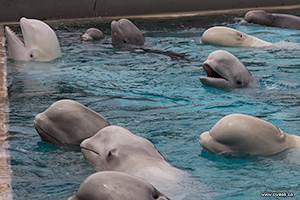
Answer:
x=162 y=99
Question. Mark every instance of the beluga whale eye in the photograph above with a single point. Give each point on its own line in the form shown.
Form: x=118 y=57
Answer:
x=111 y=154
x=240 y=35
x=32 y=55
x=239 y=83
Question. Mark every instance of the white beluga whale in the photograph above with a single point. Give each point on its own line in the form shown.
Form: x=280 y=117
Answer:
x=115 y=148
x=40 y=42
x=240 y=133
x=111 y=185
x=224 y=36
x=68 y=121
x=223 y=69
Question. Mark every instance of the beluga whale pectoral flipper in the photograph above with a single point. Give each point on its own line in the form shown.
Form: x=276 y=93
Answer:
x=223 y=69
x=40 y=42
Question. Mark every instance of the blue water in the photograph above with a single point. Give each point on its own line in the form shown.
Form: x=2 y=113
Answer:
x=161 y=99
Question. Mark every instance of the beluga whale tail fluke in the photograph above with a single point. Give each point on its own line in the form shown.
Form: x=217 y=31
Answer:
x=40 y=42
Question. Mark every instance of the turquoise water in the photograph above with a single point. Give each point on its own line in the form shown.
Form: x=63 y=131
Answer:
x=161 y=99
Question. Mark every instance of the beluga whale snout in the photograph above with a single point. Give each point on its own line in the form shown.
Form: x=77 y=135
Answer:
x=40 y=42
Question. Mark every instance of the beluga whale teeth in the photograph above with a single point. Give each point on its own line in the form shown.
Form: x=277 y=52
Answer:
x=210 y=72
x=13 y=32
x=40 y=42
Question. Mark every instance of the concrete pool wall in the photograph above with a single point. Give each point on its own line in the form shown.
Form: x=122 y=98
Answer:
x=5 y=171
x=13 y=10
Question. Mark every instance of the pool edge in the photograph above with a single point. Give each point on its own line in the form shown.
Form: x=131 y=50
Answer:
x=5 y=169
x=80 y=20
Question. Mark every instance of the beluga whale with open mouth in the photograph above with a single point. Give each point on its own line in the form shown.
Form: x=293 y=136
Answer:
x=40 y=42
x=223 y=70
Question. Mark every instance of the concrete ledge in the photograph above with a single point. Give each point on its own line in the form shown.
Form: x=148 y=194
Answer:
x=5 y=170
x=13 y=10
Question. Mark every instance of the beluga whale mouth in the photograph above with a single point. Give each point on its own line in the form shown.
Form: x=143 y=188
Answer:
x=40 y=42
x=210 y=72
x=223 y=69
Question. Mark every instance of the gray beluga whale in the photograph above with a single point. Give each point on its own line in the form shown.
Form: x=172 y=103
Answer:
x=224 y=36
x=40 y=42
x=68 y=121
x=223 y=69
x=115 y=148
x=111 y=185
x=124 y=32
x=246 y=134
x=92 y=34
x=272 y=19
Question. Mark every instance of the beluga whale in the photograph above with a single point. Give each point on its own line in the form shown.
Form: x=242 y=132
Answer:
x=124 y=31
x=223 y=70
x=68 y=121
x=225 y=36
x=115 y=148
x=111 y=185
x=125 y=34
x=239 y=133
x=40 y=42
x=92 y=34
x=272 y=19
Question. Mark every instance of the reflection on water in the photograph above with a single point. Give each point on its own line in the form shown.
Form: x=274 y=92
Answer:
x=161 y=99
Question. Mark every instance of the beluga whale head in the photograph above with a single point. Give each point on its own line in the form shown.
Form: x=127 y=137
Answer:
x=40 y=42
x=223 y=70
x=125 y=32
